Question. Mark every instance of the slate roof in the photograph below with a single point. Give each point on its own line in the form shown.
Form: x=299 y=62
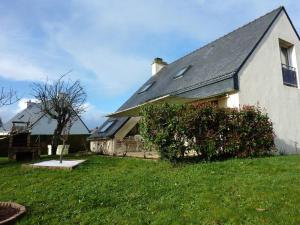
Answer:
x=33 y=115
x=213 y=71
x=118 y=123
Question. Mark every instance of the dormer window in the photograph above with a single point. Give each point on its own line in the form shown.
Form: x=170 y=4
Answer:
x=287 y=56
x=146 y=87
x=106 y=126
x=181 y=72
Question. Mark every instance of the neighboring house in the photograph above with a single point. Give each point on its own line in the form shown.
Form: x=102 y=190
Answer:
x=255 y=64
x=41 y=127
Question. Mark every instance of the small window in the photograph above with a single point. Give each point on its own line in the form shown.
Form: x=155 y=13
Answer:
x=289 y=73
x=181 y=72
x=106 y=126
x=146 y=87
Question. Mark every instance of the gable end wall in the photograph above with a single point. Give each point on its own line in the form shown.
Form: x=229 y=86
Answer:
x=261 y=83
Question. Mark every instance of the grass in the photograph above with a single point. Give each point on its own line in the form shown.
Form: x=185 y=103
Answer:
x=107 y=190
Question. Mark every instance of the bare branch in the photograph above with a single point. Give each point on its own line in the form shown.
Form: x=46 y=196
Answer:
x=8 y=97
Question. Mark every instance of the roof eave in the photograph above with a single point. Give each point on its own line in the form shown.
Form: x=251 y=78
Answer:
x=134 y=111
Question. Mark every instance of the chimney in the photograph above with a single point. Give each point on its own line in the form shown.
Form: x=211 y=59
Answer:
x=157 y=65
x=29 y=103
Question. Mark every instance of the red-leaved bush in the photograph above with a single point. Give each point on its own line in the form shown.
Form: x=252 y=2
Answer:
x=205 y=131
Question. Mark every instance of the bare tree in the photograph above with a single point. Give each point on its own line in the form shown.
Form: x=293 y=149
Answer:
x=8 y=97
x=63 y=101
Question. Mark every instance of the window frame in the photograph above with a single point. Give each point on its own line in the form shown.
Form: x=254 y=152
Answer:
x=106 y=126
x=181 y=72
x=288 y=68
x=285 y=54
x=146 y=87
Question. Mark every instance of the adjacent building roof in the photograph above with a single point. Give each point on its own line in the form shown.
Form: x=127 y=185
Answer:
x=40 y=123
x=110 y=131
x=212 y=71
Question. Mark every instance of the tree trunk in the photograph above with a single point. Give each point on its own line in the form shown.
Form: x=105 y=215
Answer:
x=54 y=145
x=62 y=151
x=55 y=140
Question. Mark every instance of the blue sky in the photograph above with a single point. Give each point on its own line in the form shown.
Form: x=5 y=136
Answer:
x=109 y=45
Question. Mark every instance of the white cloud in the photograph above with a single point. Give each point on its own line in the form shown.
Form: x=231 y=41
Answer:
x=7 y=112
x=18 y=68
x=93 y=117
x=113 y=72
x=22 y=103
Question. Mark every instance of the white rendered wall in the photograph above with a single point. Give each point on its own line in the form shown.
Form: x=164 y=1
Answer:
x=102 y=146
x=230 y=101
x=261 y=83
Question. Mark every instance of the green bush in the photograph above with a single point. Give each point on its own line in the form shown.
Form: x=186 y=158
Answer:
x=161 y=127
x=179 y=130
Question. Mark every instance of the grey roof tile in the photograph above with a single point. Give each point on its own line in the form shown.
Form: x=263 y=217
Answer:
x=31 y=114
x=118 y=123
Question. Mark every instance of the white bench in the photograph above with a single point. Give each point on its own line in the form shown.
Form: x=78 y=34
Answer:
x=59 y=149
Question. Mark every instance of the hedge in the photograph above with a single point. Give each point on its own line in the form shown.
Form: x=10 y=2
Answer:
x=207 y=132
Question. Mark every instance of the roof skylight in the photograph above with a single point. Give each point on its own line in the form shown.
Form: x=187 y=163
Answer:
x=181 y=72
x=106 y=126
x=146 y=87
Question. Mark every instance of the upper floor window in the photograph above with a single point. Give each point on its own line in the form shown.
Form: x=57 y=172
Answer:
x=289 y=74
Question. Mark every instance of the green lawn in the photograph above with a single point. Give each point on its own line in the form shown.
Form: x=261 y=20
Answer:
x=107 y=190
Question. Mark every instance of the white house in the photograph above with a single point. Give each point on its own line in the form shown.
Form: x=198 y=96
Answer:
x=41 y=128
x=255 y=64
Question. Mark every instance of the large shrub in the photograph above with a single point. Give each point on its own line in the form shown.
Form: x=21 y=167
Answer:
x=161 y=128
x=178 y=130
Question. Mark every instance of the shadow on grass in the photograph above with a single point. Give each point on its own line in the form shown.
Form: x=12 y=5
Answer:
x=179 y=162
x=5 y=162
